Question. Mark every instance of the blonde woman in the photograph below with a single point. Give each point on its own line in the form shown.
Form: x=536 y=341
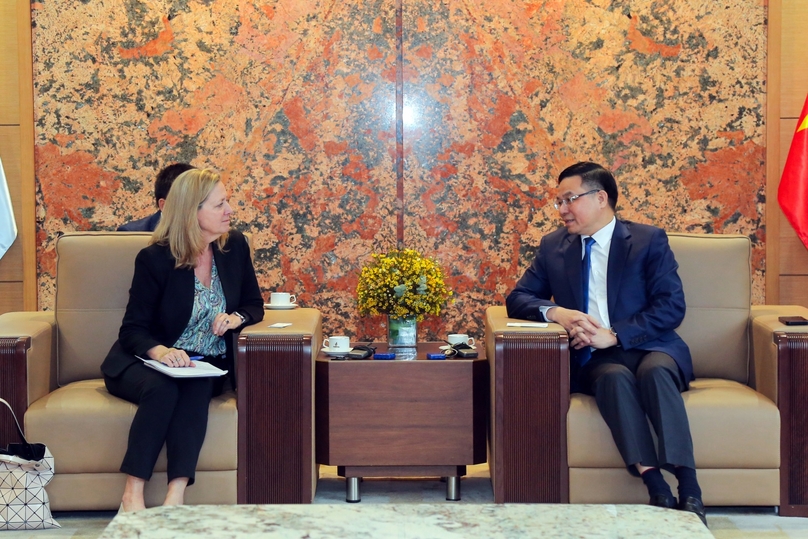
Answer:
x=192 y=286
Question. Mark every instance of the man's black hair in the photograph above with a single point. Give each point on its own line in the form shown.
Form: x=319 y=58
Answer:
x=162 y=185
x=593 y=176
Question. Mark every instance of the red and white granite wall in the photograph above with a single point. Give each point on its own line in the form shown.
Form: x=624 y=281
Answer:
x=294 y=101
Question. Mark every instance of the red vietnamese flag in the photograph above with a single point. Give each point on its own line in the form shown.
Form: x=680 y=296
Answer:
x=793 y=192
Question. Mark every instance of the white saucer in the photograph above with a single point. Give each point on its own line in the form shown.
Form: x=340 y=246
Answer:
x=280 y=307
x=334 y=353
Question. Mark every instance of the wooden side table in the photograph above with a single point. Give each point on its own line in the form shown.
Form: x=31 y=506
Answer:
x=275 y=376
x=401 y=418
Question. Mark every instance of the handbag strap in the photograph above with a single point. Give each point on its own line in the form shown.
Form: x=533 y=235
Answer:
x=19 y=430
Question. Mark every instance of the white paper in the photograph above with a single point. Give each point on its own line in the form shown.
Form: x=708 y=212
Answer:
x=201 y=370
x=280 y=325
x=526 y=324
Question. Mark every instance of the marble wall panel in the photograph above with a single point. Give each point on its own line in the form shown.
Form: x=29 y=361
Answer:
x=501 y=95
x=294 y=102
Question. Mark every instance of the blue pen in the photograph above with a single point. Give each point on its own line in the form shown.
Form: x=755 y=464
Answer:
x=195 y=358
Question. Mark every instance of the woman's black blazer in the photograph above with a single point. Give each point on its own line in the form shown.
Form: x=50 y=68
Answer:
x=162 y=297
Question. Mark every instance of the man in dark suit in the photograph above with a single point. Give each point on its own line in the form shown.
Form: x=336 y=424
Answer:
x=613 y=285
x=162 y=184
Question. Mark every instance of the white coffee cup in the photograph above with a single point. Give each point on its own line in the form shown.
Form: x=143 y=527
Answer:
x=460 y=338
x=282 y=298
x=337 y=343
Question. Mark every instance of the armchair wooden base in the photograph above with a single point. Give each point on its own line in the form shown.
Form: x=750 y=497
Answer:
x=528 y=438
x=13 y=384
x=275 y=419
x=792 y=393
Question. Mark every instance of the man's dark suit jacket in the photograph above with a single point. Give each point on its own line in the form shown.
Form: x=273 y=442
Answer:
x=645 y=296
x=147 y=224
x=161 y=300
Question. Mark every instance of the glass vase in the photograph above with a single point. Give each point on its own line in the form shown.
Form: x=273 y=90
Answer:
x=402 y=331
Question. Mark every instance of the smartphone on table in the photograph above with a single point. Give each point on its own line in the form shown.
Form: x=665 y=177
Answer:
x=794 y=320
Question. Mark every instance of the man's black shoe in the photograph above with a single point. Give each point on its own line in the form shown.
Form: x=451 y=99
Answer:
x=661 y=500
x=693 y=505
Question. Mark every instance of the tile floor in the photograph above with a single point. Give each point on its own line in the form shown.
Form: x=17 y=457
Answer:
x=725 y=523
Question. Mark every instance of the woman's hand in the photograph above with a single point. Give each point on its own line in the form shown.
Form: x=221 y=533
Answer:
x=170 y=357
x=225 y=322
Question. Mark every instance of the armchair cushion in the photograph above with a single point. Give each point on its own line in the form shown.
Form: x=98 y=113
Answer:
x=722 y=414
x=716 y=276
x=94 y=273
x=87 y=429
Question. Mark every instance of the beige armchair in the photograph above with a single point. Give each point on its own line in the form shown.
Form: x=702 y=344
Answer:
x=49 y=371
x=549 y=446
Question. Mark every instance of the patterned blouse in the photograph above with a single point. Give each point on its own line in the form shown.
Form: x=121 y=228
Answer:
x=208 y=302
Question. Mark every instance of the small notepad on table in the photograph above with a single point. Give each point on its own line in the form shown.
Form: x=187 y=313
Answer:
x=527 y=324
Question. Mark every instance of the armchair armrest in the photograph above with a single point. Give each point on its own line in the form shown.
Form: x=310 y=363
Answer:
x=27 y=363
x=530 y=396
x=275 y=372
x=764 y=325
x=783 y=376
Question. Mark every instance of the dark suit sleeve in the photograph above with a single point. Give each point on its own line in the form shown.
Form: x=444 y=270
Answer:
x=147 y=224
x=147 y=289
x=251 y=306
x=532 y=291
x=664 y=307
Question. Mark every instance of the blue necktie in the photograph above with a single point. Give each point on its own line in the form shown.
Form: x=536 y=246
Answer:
x=586 y=265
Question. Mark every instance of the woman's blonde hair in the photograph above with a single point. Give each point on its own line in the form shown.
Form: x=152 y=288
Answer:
x=179 y=225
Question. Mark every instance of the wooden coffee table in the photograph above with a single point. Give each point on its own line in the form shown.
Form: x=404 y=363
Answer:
x=401 y=418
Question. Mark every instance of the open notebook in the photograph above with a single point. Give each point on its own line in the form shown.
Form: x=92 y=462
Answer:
x=201 y=370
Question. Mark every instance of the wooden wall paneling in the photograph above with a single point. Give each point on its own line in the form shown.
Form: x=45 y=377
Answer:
x=773 y=219
x=11 y=263
x=787 y=127
x=793 y=258
x=794 y=57
x=26 y=232
x=10 y=297
x=9 y=85
x=794 y=290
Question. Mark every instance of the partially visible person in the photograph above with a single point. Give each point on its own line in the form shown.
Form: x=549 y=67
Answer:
x=162 y=185
x=192 y=287
x=614 y=286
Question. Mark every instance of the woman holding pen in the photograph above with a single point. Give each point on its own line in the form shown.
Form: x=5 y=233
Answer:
x=192 y=286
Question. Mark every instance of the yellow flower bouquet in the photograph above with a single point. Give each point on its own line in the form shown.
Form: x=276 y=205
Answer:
x=402 y=284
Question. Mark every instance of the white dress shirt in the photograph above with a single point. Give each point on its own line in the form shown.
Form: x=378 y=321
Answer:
x=599 y=259
x=599 y=264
